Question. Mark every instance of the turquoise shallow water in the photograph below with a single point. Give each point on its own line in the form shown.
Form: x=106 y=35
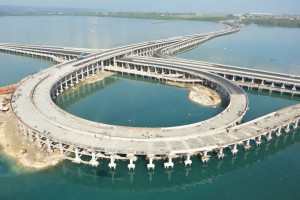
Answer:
x=128 y=101
x=268 y=172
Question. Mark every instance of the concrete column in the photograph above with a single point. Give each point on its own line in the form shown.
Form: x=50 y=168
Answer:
x=269 y=136
x=296 y=123
x=131 y=158
x=262 y=82
x=150 y=165
x=30 y=136
x=287 y=129
x=77 y=158
x=188 y=160
x=221 y=154
x=282 y=86
x=273 y=84
x=76 y=76
x=169 y=163
x=234 y=149
x=278 y=132
x=115 y=62
x=61 y=148
x=102 y=66
x=243 y=79
x=66 y=84
x=94 y=161
x=71 y=80
x=233 y=78
x=49 y=149
x=247 y=145
x=112 y=163
x=38 y=140
x=294 y=88
x=82 y=73
x=252 y=81
x=61 y=87
x=258 y=141
x=205 y=157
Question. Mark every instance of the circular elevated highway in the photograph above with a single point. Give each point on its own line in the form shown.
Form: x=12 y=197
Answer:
x=49 y=126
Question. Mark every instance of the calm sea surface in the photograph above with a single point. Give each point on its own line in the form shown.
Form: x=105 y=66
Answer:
x=268 y=172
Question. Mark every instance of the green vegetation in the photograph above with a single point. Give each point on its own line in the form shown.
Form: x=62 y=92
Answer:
x=168 y=16
x=274 y=22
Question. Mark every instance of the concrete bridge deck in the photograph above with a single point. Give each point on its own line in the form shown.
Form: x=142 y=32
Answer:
x=50 y=127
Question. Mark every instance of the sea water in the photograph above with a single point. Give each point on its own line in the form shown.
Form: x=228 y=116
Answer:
x=267 y=172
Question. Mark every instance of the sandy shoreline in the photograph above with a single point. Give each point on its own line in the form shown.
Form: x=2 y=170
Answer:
x=16 y=145
x=19 y=147
x=200 y=94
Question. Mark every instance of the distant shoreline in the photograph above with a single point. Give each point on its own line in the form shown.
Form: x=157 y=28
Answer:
x=287 y=21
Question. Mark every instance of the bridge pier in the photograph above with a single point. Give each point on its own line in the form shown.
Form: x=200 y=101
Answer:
x=296 y=123
x=93 y=162
x=234 y=149
x=49 y=149
x=131 y=158
x=258 y=141
x=247 y=145
x=169 y=164
x=282 y=86
x=188 y=160
x=278 y=132
x=112 y=163
x=273 y=84
x=38 y=141
x=204 y=157
x=269 y=136
x=287 y=128
x=31 y=136
x=61 y=148
x=77 y=158
x=220 y=153
x=150 y=165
